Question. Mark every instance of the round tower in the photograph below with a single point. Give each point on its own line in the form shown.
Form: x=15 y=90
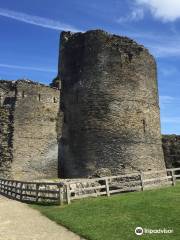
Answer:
x=109 y=97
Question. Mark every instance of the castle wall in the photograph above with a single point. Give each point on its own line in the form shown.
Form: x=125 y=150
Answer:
x=5 y=152
x=171 y=147
x=29 y=143
x=35 y=147
x=110 y=104
x=7 y=97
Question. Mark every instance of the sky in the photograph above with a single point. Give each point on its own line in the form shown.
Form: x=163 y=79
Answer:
x=30 y=30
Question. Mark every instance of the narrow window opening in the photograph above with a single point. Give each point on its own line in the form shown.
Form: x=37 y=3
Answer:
x=54 y=99
x=144 y=125
x=39 y=97
x=23 y=94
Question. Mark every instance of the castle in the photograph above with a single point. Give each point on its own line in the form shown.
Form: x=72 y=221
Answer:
x=104 y=120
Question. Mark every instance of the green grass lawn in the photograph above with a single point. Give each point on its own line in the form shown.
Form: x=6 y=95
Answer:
x=116 y=217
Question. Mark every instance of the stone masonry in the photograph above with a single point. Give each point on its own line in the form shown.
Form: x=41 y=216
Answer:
x=7 y=101
x=110 y=103
x=28 y=122
x=171 y=147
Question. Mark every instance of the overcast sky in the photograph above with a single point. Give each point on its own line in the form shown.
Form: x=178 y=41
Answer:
x=30 y=39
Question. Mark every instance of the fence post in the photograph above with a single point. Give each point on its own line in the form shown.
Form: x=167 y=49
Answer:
x=68 y=193
x=15 y=190
x=61 y=194
x=107 y=187
x=3 y=189
x=173 y=178
x=21 y=191
x=7 y=187
x=142 y=184
x=37 y=191
x=11 y=182
x=10 y=185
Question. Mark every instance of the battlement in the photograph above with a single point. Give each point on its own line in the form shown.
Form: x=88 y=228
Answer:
x=27 y=89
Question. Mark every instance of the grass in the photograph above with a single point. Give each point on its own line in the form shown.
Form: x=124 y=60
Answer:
x=116 y=217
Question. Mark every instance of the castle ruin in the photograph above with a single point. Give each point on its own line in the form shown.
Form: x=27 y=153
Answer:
x=105 y=119
x=28 y=125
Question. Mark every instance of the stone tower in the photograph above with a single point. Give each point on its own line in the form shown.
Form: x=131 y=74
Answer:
x=109 y=98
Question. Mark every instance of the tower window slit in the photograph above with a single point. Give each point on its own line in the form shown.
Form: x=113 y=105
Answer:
x=144 y=125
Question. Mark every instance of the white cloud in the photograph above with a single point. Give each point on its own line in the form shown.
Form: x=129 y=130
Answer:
x=28 y=68
x=36 y=20
x=136 y=15
x=166 y=99
x=164 y=49
x=160 y=45
x=171 y=120
x=168 y=71
x=166 y=10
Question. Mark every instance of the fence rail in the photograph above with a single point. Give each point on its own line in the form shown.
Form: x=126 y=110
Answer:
x=69 y=190
x=31 y=191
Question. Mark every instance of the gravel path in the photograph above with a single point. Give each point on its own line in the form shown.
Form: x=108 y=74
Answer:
x=20 y=222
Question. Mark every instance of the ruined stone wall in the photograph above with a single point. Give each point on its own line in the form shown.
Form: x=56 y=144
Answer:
x=7 y=101
x=171 y=147
x=110 y=102
x=34 y=150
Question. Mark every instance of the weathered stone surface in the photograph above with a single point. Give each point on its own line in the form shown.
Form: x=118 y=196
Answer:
x=56 y=83
x=31 y=122
x=109 y=97
x=7 y=96
x=103 y=172
x=171 y=147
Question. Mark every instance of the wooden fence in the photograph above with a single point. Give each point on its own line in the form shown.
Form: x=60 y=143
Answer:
x=139 y=181
x=31 y=191
x=69 y=190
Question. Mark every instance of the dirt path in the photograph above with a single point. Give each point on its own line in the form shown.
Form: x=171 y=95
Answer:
x=20 y=222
